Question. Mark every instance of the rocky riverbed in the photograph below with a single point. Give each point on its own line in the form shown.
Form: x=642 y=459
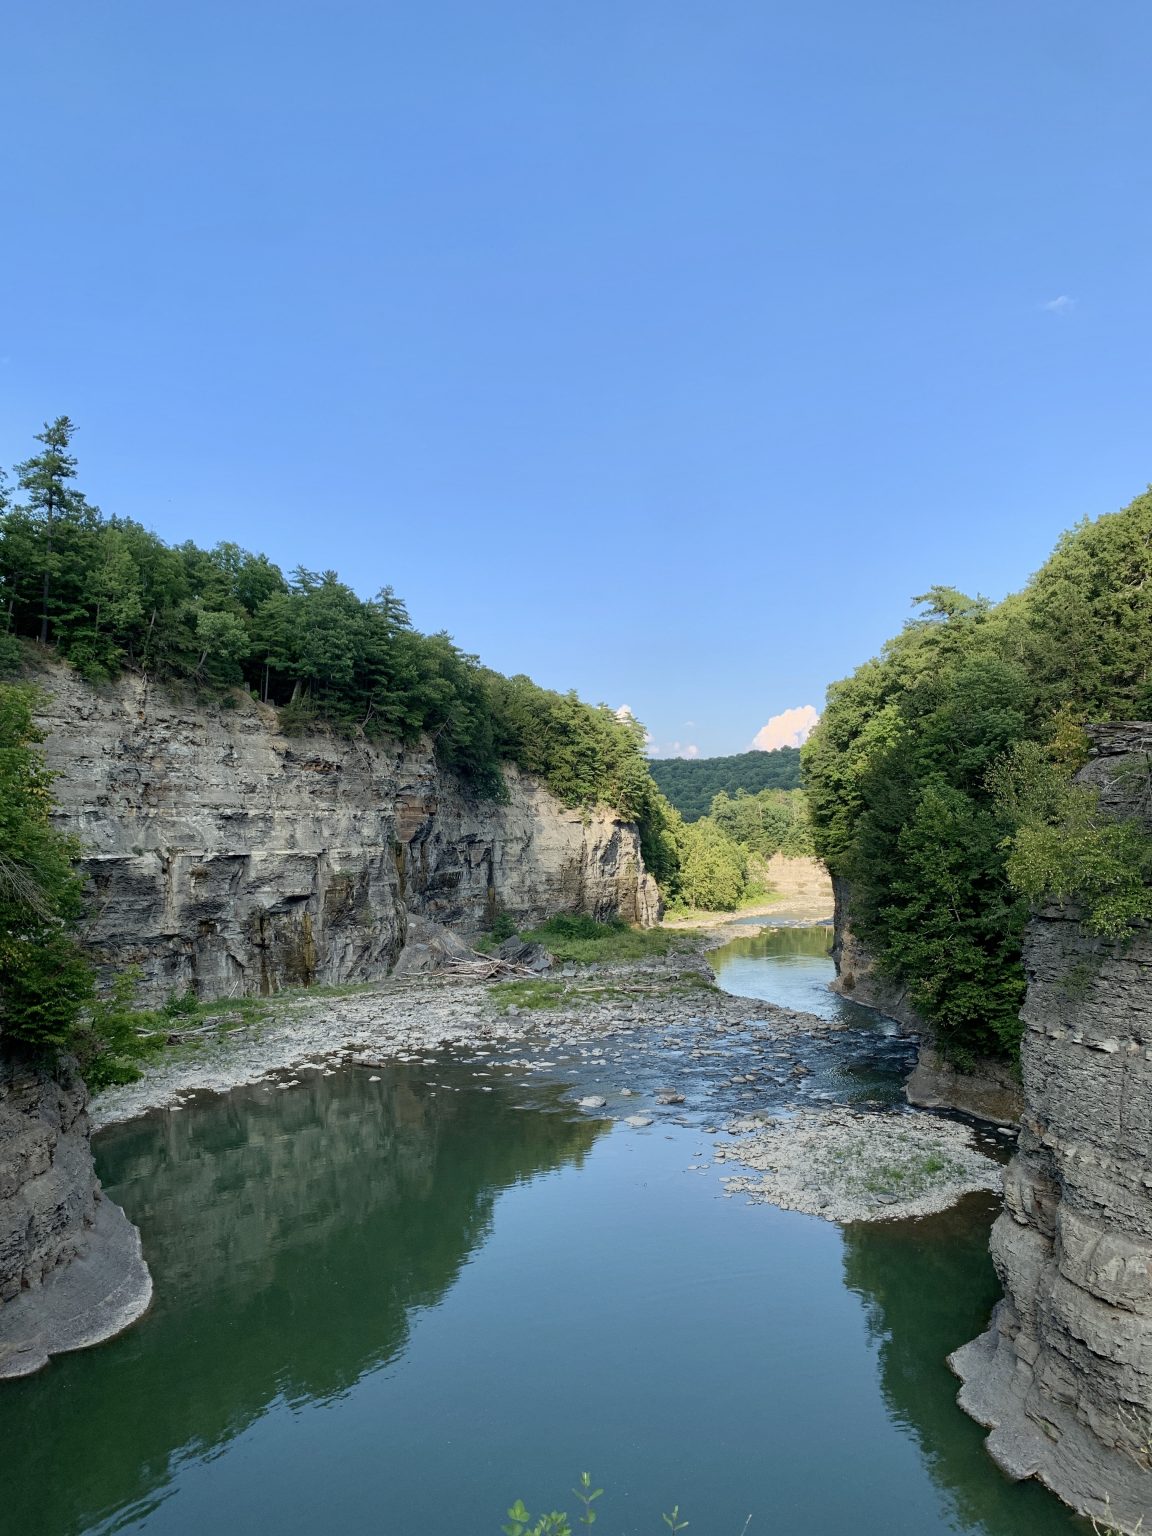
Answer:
x=642 y=1043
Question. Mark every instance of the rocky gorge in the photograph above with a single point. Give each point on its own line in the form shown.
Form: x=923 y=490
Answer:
x=224 y=858
x=229 y=858
x=1063 y=1376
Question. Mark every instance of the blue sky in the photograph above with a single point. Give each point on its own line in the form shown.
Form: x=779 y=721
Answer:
x=655 y=348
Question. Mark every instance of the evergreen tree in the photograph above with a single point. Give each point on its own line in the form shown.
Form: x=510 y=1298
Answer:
x=52 y=509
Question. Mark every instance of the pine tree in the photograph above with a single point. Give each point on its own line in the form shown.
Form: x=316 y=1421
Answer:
x=51 y=501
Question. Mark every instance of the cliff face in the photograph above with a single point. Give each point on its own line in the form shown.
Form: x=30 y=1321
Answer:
x=228 y=857
x=47 y=1191
x=71 y=1272
x=989 y=1092
x=1064 y=1374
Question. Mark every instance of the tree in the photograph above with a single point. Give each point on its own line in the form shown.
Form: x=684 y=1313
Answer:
x=713 y=868
x=44 y=978
x=906 y=777
x=51 y=501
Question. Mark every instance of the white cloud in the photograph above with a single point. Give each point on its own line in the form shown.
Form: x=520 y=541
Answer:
x=1062 y=304
x=625 y=712
x=673 y=749
x=792 y=728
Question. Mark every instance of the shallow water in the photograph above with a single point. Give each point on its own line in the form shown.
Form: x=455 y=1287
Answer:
x=397 y=1305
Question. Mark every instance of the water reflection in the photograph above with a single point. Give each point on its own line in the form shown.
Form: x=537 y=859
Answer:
x=790 y=965
x=291 y=1234
x=866 y=1060
x=929 y=1286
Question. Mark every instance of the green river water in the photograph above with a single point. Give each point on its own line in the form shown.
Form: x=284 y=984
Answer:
x=396 y=1306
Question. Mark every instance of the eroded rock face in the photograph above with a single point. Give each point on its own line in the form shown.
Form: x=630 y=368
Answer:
x=1064 y=1374
x=71 y=1271
x=227 y=857
x=990 y=1091
x=47 y=1184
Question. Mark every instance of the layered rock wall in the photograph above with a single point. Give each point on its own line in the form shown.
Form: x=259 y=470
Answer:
x=1063 y=1377
x=71 y=1271
x=225 y=857
x=229 y=858
x=47 y=1187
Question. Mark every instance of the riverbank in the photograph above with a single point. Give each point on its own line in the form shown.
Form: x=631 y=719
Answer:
x=641 y=1042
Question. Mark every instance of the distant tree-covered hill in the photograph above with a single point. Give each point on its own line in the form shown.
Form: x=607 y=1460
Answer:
x=691 y=783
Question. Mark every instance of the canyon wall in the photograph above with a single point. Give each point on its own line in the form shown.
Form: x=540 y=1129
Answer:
x=1063 y=1377
x=71 y=1270
x=226 y=857
x=989 y=1091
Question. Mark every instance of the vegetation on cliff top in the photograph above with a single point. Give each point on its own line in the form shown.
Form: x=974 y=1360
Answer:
x=106 y=594
x=692 y=783
x=939 y=777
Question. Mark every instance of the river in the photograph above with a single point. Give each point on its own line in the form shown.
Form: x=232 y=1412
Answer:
x=398 y=1304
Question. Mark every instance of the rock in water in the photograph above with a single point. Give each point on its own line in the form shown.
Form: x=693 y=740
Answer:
x=71 y=1270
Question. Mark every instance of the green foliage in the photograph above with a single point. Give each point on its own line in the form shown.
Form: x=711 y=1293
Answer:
x=108 y=594
x=691 y=784
x=938 y=780
x=1066 y=849
x=522 y=1523
x=713 y=867
x=112 y=1039
x=529 y=994
x=585 y=941
x=501 y=927
x=773 y=821
x=44 y=979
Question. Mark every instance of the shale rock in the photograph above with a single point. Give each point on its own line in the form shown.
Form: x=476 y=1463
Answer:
x=71 y=1272
x=1063 y=1377
x=225 y=856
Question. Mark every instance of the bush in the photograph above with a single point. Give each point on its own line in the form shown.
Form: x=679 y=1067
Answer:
x=585 y=941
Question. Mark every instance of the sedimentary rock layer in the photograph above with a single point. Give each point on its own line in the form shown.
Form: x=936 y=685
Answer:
x=227 y=857
x=71 y=1272
x=1064 y=1374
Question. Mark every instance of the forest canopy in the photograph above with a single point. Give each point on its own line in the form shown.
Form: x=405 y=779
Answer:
x=939 y=778
x=692 y=783
x=106 y=594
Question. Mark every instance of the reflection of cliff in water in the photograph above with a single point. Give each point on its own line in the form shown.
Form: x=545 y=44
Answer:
x=291 y=1235
x=926 y=1284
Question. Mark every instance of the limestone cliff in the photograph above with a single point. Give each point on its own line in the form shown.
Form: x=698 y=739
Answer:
x=227 y=857
x=1064 y=1374
x=71 y=1271
x=989 y=1091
